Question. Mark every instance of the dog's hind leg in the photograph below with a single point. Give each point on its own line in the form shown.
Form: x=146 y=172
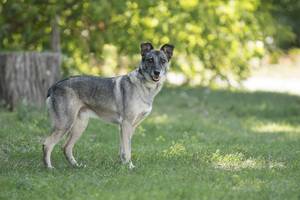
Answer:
x=49 y=144
x=62 y=118
x=57 y=134
x=76 y=131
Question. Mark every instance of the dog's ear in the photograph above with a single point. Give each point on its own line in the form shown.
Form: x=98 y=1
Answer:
x=168 y=50
x=145 y=47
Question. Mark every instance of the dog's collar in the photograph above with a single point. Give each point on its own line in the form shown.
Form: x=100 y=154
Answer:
x=140 y=72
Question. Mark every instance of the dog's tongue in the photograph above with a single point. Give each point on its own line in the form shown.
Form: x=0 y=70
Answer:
x=155 y=78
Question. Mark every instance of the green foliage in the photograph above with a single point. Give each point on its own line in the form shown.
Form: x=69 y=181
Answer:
x=208 y=144
x=214 y=39
x=286 y=13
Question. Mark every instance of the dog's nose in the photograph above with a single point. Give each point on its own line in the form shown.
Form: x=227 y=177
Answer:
x=156 y=73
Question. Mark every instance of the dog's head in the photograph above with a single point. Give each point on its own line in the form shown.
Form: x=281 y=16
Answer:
x=155 y=63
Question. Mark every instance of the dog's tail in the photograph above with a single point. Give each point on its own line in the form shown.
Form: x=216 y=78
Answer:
x=49 y=98
x=50 y=105
x=49 y=92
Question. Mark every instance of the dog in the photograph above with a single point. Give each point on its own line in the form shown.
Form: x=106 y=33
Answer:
x=123 y=100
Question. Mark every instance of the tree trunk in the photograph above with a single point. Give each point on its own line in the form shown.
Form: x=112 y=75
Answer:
x=55 y=35
x=26 y=76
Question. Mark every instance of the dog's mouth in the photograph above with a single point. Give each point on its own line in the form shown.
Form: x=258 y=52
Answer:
x=155 y=78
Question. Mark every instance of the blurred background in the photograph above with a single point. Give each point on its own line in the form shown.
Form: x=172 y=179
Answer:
x=209 y=136
x=252 y=44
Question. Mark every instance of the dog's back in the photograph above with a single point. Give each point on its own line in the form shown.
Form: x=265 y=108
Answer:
x=86 y=86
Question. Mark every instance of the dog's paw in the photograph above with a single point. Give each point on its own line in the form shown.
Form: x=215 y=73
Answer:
x=50 y=167
x=80 y=165
x=131 y=166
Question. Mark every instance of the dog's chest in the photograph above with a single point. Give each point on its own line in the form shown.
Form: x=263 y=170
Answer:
x=146 y=111
x=141 y=112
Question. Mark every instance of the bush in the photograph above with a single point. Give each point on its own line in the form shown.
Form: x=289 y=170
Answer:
x=214 y=39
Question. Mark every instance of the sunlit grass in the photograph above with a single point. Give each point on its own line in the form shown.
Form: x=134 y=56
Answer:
x=238 y=161
x=288 y=129
x=159 y=119
x=175 y=150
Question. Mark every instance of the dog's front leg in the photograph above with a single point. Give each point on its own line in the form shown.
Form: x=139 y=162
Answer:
x=126 y=133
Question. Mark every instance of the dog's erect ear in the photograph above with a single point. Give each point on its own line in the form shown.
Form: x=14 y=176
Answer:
x=168 y=50
x=145 y=47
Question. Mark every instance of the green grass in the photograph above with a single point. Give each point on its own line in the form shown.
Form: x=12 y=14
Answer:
x=196 y=144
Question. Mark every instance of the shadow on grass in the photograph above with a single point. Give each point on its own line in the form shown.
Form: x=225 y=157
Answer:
x=268 y=106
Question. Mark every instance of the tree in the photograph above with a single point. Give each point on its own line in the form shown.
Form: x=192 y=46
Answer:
x=214 y=39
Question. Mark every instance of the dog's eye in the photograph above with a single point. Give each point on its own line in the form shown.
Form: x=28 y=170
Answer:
x=150 y=60
x=163 y=61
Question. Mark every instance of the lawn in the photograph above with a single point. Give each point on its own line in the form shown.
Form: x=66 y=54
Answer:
x=197 y=144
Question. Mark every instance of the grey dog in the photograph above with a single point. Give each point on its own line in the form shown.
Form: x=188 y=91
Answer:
x=122 y=100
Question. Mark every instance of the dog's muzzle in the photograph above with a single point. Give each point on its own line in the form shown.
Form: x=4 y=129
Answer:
x=155 y=77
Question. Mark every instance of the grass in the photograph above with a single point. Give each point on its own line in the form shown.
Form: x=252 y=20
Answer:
x=197 y=144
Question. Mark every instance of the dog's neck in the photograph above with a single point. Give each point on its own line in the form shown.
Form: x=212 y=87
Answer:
x=148 y=87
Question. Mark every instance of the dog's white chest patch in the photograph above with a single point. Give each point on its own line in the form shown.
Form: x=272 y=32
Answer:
x=143 y=114
x=148 y=110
